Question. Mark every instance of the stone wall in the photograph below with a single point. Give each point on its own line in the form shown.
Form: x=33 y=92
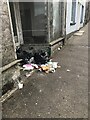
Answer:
x=87 y=12
x=8 y=53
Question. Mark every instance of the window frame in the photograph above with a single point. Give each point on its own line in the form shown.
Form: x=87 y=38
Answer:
x=73 y=13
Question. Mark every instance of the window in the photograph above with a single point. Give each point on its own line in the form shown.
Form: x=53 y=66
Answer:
x=82 y=10
x=73 y=12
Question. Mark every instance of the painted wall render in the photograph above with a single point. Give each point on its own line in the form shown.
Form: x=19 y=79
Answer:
x=78 y=25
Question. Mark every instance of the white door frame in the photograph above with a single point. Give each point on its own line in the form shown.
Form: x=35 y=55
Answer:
x=18 y=23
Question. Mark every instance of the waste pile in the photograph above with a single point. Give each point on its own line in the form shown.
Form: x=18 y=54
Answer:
x=39 y=60
x=25 y=56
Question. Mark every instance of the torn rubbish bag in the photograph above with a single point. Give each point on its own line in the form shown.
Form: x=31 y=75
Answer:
x=41 y=57
x=25 y=56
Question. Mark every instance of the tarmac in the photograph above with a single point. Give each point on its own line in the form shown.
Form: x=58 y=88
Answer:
x=63 y=94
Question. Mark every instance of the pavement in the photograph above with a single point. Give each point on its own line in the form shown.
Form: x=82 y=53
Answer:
x=63 y=94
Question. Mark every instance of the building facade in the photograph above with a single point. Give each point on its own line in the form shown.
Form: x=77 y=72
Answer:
x=87 y=12
x=75 y=15
x=36 y=25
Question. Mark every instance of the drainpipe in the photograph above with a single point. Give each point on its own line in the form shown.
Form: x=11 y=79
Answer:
x=48 y=26
x=64 y=20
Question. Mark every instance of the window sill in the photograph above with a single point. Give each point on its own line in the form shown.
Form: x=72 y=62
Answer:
x=72 y=24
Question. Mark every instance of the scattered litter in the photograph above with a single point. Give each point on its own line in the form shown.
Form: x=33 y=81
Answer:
x=61 y=90
x=40 y=91
x=35 y=66
x=53 y=64
x=61 y=46
x=50 y=60
x=39 y=115
x=20 y=85
x=45 y=67
x=31 y=60
x=78 y=76
x=49 y=67
x=28 y=67
x=68 y=70
x=40 y=69
x=52 y=70
x=60 y=77
x=29 y=93
x=35 y=103
x=58 y=66
x=59 y=49
x=28 y=74
x=50 y=63
x=25 y=104
x=39 y=60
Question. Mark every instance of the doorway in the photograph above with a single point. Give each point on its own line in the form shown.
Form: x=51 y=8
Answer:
x=33 y=21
